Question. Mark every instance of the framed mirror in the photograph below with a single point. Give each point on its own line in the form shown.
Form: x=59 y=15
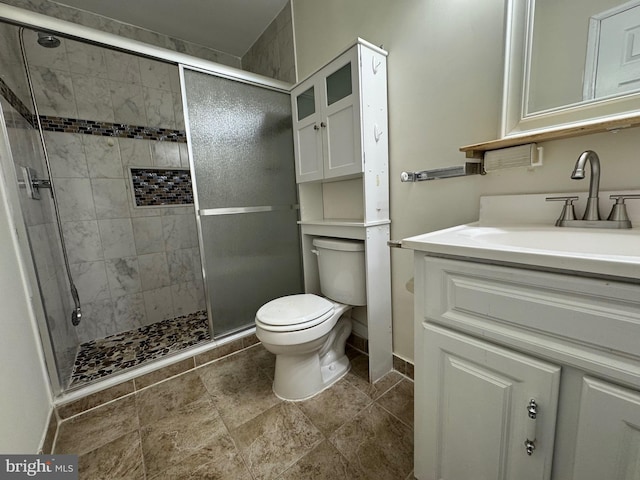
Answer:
x=569 y=64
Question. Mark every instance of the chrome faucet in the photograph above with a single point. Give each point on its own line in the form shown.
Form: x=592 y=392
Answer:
x=592 y=212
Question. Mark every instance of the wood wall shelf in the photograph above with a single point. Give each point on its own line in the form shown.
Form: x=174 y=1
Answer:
x=477 y=150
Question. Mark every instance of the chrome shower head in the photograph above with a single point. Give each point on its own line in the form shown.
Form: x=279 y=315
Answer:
x=47 y=40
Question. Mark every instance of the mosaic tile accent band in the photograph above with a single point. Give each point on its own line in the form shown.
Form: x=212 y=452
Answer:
x=154 y=187
x=107 y=129
x=16 y=103
x=91 y=127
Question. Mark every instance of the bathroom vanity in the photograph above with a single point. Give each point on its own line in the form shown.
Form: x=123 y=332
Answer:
x=527 y=348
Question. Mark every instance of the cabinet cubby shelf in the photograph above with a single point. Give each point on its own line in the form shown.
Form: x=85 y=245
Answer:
x=343 y=223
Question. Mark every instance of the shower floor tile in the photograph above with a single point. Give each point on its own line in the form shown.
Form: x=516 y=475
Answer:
x=102 y=357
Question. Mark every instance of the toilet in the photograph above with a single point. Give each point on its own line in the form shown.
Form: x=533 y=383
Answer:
x=307 y=332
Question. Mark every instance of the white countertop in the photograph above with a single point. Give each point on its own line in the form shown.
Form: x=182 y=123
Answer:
x=504 y=238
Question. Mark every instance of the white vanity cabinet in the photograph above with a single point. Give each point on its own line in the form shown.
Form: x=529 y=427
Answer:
x=339 y=112
x=491 y=338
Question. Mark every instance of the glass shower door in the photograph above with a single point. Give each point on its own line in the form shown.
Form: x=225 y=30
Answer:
x=241 y=153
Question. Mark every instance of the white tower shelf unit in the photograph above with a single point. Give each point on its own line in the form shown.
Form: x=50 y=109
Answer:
x=342 y=169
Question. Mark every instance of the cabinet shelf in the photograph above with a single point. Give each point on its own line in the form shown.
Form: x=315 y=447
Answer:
x=339 y=222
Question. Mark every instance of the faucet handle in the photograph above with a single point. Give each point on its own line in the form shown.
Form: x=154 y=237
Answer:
x=567 y=200
x=619 y=209
x=568 y=212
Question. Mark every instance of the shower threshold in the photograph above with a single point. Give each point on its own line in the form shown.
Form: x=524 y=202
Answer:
x=113 y=354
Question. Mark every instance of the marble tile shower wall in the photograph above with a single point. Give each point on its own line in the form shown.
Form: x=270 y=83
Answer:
x=38 y=215
x=78 y=80
x=133 y=266
x=99 y=22
x=272 y=54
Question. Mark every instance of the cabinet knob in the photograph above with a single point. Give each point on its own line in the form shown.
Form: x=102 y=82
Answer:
x=323 y=125
x=530 y=446
x=316 y=127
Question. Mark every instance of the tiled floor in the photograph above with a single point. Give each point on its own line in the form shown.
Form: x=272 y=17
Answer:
x=115 y=353
x=222 y=421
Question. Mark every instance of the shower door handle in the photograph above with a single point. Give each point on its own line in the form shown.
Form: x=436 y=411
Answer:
x=32 y=183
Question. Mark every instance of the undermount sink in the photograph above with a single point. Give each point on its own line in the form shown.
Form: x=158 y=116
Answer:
x=553 y=239
x=592 y=252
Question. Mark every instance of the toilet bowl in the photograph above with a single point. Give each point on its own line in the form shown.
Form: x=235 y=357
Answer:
x=307 y=332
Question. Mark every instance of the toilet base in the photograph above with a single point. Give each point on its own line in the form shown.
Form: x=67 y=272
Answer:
x=303 y=375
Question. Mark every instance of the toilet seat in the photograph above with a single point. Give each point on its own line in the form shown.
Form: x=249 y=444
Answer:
x=294 y=312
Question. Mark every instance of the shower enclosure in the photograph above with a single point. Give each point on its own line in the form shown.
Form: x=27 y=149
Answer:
x=141 y=246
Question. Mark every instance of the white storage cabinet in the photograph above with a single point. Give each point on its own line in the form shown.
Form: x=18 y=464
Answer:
x=490 y=340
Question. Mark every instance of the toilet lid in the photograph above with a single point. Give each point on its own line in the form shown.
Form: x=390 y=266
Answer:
x=294 y=310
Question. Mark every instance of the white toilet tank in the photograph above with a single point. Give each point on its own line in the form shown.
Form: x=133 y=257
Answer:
x=342 y=270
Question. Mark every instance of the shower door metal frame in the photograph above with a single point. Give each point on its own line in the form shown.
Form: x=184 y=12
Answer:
x=224 y=210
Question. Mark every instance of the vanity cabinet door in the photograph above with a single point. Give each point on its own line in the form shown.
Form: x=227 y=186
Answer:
x=608 y=440
x=471 y=410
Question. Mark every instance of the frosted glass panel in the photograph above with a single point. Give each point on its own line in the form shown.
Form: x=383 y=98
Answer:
x=242 y=152
x=242 y=143
x=339 y=84
x=249 y=259
x=306 y=103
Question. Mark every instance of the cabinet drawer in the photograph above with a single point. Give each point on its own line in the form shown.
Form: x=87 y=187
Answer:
x=602 y=314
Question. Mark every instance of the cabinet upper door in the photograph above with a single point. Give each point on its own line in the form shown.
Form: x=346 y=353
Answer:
x=608 y=441
x=341 y=117
x=326 y=123
x=306 y=108
x=472 y=418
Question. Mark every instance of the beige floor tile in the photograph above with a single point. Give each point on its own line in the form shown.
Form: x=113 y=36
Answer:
x=275 y=440
x=121 y=459
x=82 y=405
x=264 y=360
x=323 y=463
x=246 y=402
x=335 y=406
x=359 y=377
x=195 y=428
x=399 y=401
x=95 y=428
x=200 y=466
x=161 y=399
x=164 y=373
x=376 y=444
x=230 y=373
x=218 y=352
